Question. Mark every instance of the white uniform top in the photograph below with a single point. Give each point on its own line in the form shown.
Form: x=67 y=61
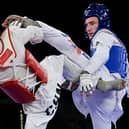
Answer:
x=99 y=102
x=102 y=43
x=17 y=68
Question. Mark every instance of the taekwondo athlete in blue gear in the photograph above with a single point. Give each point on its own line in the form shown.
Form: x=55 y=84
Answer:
x=114 y=64
x=106 y=49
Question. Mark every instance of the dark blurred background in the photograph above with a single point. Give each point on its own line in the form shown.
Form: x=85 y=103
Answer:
x=65 y=15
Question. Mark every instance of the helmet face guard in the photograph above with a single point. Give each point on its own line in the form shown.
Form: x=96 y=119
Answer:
x=101 y=12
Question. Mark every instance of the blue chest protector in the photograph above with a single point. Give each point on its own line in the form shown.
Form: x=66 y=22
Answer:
x=117 y=62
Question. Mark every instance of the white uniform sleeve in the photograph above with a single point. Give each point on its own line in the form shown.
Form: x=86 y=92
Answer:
x=31 y=33
x=63 y=43
x=102 y=43
x=37 y=35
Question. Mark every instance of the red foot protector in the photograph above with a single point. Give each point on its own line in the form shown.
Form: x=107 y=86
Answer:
x=17 y=92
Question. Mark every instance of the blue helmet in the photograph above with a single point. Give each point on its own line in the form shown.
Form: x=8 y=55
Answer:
x=100 y=11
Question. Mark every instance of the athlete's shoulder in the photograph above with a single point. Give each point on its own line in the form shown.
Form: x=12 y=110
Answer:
x=103 y=35
x=103 y=32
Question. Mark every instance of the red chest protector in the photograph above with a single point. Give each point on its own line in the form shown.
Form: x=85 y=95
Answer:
x=16 y=90
x=33 y=64
x=13 y=88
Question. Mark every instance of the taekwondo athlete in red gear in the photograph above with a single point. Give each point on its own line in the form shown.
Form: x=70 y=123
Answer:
x=19 y=72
